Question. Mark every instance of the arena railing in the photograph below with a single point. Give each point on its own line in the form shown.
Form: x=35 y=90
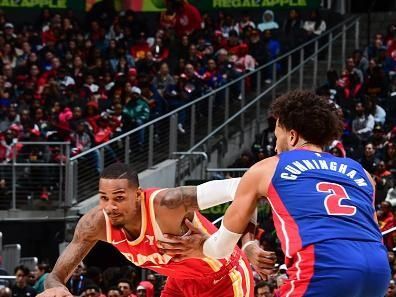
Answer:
x=35 y=176
x=244 y=98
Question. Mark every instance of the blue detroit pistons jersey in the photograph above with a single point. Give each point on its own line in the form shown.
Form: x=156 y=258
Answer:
x=317 y=197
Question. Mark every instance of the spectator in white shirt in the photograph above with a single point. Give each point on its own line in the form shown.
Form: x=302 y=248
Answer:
x=315 y=25
x=363 y=123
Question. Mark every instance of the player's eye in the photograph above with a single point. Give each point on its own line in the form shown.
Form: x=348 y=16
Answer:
x=104 y=198
x=119 y=198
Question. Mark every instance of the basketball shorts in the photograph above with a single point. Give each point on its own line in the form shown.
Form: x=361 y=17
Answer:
x=236 y=282
x=338 y=268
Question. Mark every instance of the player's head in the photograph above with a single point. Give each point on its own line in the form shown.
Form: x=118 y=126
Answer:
x=305 y=118
x=125 y=287
x=119 y=193
x=262 y=289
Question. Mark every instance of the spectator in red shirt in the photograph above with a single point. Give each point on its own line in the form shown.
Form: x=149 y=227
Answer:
x=188 y=17
x=386 y=221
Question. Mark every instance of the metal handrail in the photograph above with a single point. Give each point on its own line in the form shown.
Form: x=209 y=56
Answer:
x=243 y=109
x=227 y=85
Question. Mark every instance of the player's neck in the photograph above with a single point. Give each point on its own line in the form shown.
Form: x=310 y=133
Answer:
x=134 y=227
x=306 y=145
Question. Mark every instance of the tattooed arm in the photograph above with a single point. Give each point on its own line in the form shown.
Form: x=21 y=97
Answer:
x=201 y=197
x=89 y=230
x=180 y=198
x=173 y=205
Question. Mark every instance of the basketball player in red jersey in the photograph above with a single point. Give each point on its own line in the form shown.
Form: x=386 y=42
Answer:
x=133 y=220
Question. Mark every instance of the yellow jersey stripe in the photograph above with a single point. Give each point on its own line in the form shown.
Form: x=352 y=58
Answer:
x=236 y=279
x=108 y=227
x=246 y=275
x=213 y=263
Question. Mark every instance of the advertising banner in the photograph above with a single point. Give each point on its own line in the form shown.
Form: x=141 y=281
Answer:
x=205 y=5
x=39 y=4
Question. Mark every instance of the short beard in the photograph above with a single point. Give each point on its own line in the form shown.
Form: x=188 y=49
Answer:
x=118 y=225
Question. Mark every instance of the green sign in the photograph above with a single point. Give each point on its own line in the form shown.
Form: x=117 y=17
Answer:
x=39 y=4
x=219 y=210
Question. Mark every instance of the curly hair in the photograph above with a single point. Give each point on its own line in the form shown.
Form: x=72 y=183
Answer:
x=312 y=116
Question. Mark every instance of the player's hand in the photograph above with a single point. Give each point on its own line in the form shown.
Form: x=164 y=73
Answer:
x=263 y=262
x=186 y=246
x=56 y=292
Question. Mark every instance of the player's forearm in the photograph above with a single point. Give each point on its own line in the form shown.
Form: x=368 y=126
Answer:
x=249 y=234
x=53 y=281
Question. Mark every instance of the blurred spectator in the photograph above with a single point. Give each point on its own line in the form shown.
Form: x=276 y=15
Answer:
x=188 y=18
x=138 y=110
x=91 y=290
x=383 y=182
x=360 y=61
x=375 y=110
x=141 y=291
x=263 y=289
x=369 y=160
x=125 y=287
x=114 y=292
x=257 y=48
x=21 y=288
x=363 y=123
x=163 y=79
x=77 y=280
x=315 y=25
x=386 y=221
x=268 y=21
x=40 y=272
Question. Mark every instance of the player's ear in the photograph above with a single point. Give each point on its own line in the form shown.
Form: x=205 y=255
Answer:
x=139 y=193
x=293 y=138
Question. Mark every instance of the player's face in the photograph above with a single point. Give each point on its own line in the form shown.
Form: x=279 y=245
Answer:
x=118 y=199
x=281 y=135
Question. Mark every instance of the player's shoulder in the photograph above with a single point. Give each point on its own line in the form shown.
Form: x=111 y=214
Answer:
x=92 y=225
x=264 y=169
x=266 y=165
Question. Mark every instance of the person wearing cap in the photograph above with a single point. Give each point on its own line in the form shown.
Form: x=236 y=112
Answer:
x=9 y=34
x=138 y=109
x=142 y=291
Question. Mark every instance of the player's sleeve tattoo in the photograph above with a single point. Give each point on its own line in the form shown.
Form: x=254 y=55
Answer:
x=181 y=197
x=87 y=233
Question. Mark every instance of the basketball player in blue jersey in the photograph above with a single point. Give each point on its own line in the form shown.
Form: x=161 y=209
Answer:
x=322 y=207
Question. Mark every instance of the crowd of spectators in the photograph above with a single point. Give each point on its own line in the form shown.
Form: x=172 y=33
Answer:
x=84 y=282
x=87 y=80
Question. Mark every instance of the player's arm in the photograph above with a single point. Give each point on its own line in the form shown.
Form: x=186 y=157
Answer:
x=181 y=202
x=90 y=228
x=253 y=185
x=209 y=194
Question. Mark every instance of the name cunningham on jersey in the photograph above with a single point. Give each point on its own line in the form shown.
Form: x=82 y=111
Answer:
x=295 y=169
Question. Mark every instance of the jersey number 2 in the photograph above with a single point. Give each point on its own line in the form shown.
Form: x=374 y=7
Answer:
x=333 y=201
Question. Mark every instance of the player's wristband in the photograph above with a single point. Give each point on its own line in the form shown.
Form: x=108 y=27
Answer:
x=250 y=242
x=221 y=244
